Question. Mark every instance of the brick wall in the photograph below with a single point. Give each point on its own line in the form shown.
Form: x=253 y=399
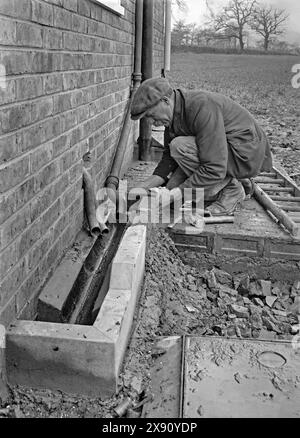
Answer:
x=68 y=73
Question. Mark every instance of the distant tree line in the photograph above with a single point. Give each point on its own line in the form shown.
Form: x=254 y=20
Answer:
x=232 y=26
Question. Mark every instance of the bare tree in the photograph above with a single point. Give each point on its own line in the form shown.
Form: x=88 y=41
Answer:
x=233 y=19
x=181 y=4
x=267 y=22
x=180 y=33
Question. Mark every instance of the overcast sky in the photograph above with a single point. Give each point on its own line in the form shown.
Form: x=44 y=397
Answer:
x=197 y=12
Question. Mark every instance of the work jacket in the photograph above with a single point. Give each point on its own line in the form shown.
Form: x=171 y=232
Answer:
x=228 y=138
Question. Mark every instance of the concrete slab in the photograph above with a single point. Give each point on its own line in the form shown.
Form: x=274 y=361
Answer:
x=66 y=280
x=165 y=379
x=73 y=359
x=127 y=267
x=127 y=273
x=229 y=378
x=64 y=296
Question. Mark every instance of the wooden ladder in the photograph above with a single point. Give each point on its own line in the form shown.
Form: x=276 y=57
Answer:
x=280 y=196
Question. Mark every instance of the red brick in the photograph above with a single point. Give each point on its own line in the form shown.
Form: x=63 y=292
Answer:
x=8 y=259
x=69 y=120
x=8 y=95
x=9 y=148
x=84 y=8
x=12 y=281
x=29 y=88
x=52 y=39
x=96 y=13
x=50 y=216
x=53 y=83
x=8 y=312
x=13 y=173
x=14 y=117
x=76 y=171
x=71 y=41
x=41 y=109
x=77 y=98
x=61 y=144
x=62 y=103
x=41 y=133
x=7 y=32
x=87 y=44
x=40 y=157
x=47 y=175
x=79 y=24
x=16 y=8
x=62 y=19
x=69 y=62
x=42 y=13
x=65 y=161
x=28 y=238
x=27 y=291
x=76 y=135
x=28 y=35
x=82 y=114
x=53 y=257
x=71 y=5
x=60 y=225
x=25 y=192
x=15 y=226
x=39 y=250
x=45 y=62
x=40 y=203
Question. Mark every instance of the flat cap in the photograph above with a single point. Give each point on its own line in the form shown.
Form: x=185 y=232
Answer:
x=148 y=95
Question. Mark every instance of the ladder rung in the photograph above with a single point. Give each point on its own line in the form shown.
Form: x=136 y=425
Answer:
x=264 y=180
x=286 y=208
x=285 y=198
x=268 y=175
x=278 y=189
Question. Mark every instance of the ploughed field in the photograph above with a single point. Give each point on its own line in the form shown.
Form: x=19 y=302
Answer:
x=262 y=84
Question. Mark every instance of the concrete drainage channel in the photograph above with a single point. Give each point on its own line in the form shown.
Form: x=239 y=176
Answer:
x=81 y=350
x=84 y=318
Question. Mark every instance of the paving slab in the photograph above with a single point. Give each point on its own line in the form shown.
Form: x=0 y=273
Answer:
x=226 y=378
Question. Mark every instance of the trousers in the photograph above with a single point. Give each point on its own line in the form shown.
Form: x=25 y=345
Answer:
x=184 y=151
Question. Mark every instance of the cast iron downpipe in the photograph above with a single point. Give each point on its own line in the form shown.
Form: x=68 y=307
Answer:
x=168 y=15
x=147 y=73
x=112 y=181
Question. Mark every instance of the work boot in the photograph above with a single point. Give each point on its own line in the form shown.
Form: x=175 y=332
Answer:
x=228 y=199
x=248 y=187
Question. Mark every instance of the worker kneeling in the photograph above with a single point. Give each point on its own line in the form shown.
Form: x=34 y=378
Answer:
x=211 y=142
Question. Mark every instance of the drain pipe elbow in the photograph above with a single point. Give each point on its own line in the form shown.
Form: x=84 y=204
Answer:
x=90 y=203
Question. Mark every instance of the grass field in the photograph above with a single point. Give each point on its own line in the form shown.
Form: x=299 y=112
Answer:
x=262 y=84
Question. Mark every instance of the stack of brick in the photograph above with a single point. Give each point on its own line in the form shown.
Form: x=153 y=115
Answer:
x=66 y=70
